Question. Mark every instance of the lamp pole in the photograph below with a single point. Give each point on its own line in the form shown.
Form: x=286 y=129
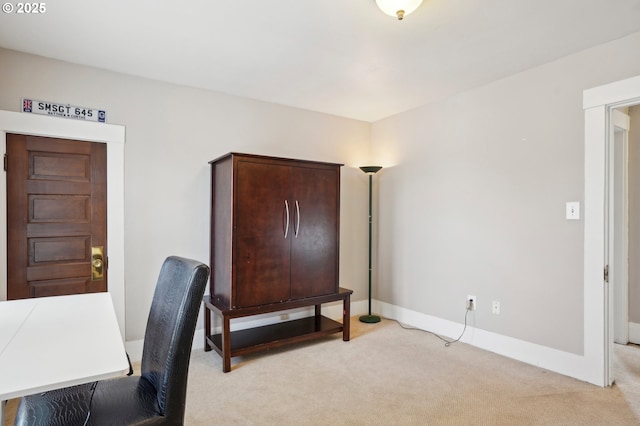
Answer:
x=370 y=170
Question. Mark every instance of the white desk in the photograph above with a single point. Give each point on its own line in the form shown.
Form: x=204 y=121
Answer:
x=49 y=343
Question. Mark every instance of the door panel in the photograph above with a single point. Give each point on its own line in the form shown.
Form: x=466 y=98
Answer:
x=262 y=247
x=314 y=251
x=58 y=287
x=56 y=210
x=59 y=208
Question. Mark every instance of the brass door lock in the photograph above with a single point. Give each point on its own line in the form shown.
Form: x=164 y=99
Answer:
x=97 y=263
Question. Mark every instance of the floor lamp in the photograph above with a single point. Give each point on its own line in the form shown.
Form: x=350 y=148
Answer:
x=370 y=170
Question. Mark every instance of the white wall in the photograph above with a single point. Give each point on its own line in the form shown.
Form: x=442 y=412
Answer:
x=171 y=134
x=474 y=200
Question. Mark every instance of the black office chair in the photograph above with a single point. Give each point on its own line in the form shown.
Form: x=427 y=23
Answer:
x=158 y=396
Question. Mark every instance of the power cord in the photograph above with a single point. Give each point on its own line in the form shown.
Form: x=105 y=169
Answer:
x=447 y=342
x=94 y=385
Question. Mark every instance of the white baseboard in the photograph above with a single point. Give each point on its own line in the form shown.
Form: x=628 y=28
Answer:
x=134 y=349
x=634 y=333
x=541 y=356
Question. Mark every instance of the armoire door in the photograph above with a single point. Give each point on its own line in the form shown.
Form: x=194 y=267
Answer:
x=263 y=233
x=314 y=244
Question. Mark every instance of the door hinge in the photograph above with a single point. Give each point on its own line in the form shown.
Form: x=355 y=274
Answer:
x=6 y=162
x=606 y=273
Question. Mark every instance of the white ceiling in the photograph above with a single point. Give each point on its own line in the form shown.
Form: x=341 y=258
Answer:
x=342 y=57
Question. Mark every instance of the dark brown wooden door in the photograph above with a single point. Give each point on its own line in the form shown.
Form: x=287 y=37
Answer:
x=263 y=235
x=56 y=212
x=314 y=245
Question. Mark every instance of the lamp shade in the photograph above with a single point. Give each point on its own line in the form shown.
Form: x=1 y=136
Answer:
x=370 y=169
x=398 y=8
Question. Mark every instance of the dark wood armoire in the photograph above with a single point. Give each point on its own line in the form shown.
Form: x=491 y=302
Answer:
x=275 y=226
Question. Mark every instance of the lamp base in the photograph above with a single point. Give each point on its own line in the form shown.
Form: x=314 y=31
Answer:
x=371 y=319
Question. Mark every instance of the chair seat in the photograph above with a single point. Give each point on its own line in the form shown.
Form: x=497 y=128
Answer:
x=124 y=401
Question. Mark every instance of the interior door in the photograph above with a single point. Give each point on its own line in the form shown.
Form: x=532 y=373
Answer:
x=263 y=233
x=56 y=216
x=314 y=244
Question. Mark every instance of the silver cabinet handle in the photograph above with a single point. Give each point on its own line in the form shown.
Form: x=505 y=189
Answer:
x=286 y=228
x=297 y=218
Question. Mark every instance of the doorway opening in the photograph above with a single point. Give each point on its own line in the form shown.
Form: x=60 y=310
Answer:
x=619 y=186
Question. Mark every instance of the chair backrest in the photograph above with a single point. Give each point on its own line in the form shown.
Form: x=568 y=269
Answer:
x=170 y=329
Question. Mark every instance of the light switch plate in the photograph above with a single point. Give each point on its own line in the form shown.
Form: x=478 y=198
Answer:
x=573 y=210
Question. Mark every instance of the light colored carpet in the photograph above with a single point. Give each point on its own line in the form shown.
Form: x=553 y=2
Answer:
x=387 y=375
x=626 y=370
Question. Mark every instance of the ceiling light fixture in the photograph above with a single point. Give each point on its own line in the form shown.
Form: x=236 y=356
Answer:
x=398 y=8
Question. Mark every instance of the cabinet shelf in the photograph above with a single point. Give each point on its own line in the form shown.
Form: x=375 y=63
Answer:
x=272 y=336
x=229 y=343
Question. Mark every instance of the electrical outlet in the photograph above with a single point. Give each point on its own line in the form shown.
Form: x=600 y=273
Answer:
x=495 y=307
x=471 y=303
x=284 y=317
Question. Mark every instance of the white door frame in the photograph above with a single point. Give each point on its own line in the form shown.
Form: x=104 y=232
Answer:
x=114 y=137
x=598 y=297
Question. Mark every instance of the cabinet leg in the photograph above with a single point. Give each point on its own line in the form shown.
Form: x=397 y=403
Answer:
x=226 y=344
x=346 y=318
x=207 y=328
